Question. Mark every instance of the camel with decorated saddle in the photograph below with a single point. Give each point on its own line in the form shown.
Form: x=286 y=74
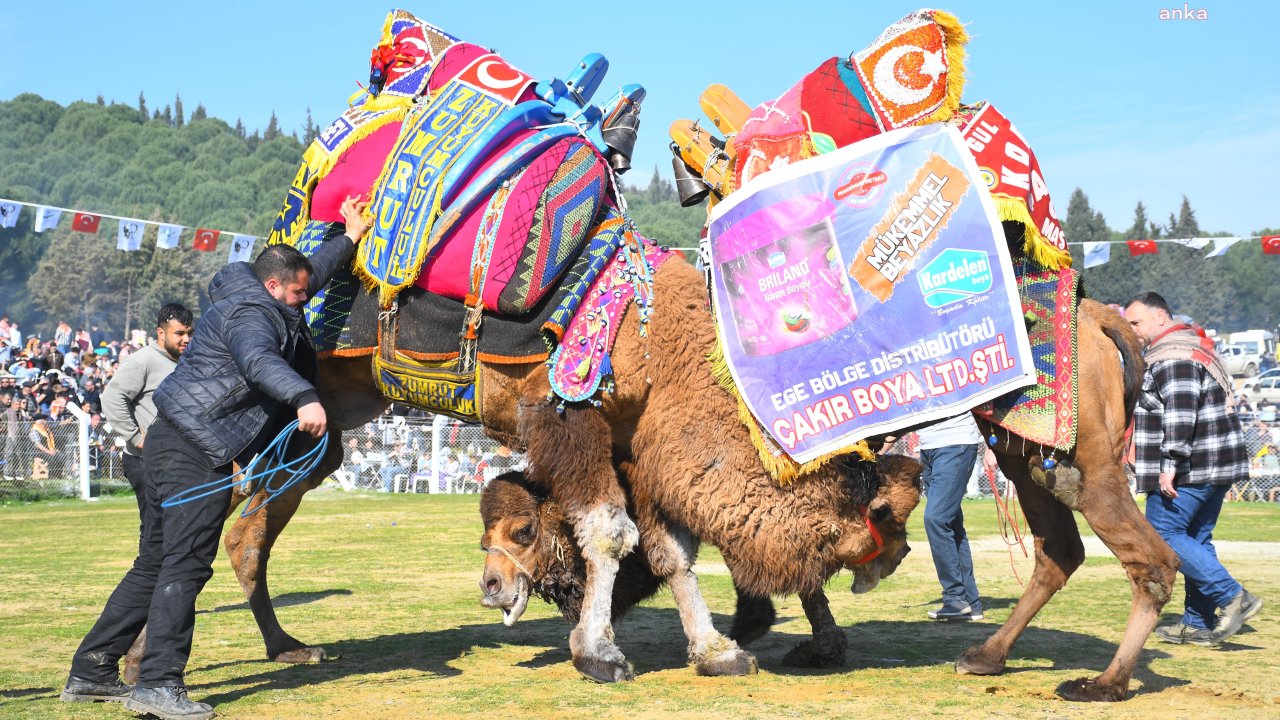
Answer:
x=503 y=283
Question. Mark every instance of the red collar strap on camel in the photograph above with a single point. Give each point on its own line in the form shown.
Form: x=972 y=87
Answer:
x=875 y=537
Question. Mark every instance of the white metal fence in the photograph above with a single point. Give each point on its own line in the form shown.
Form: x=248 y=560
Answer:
x=72 y=457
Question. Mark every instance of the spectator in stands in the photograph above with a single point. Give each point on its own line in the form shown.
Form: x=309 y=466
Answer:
x=62 y=337
x=397 y=463
x=1190 y=451
x=90 y=398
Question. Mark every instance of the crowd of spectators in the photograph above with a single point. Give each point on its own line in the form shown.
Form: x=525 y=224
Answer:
x=39 y=379
x=398 y=445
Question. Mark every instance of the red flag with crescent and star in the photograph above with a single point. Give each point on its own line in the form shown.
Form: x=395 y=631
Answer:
x=1271 y=244
x=1142 y=247
x=206 y=240
x=85 y=222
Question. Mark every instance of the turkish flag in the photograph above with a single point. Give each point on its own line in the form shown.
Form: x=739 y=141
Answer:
x=1271 y=244
x=1142 y=247
x=84 y=222
x=206 y=240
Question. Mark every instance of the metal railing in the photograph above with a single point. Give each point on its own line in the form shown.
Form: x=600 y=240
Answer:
x=72 y=457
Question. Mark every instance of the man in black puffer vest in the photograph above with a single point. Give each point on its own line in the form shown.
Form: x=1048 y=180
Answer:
x=248 y=371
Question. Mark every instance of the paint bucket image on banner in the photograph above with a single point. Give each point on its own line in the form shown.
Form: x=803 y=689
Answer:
x=788 y=287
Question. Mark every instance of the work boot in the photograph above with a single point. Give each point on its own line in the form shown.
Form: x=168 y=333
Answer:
x=168 y=703
x=1241 y=608
x=81 y=690
x=1180 y=634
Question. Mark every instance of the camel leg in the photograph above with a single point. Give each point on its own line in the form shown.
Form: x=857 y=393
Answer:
x=1148 y=561
x=1059 y=552
x=575 y=447
x=671 y=552
x=249 y=543
x=826 y=649
x=752 y=617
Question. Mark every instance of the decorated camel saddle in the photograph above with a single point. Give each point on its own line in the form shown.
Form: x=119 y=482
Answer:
x=498 y=228
x=881 y=255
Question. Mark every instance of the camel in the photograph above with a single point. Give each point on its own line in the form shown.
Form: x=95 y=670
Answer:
x=650 y=421
x=777 y=544
x=1093 y=483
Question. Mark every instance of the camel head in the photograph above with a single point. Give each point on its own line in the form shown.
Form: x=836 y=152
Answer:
x=874 y=551
x=519 y=542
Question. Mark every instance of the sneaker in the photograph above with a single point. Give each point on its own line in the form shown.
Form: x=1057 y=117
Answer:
x=81 y=690
x=1180 y=634
x=168 y=703
x=1241 y=608
x=952 y=611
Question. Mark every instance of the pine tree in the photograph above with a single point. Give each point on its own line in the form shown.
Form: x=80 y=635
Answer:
x=1140 y=227
x=178 y=119
x=240 y=128
x=142 y=106
x=310 y=131
x=273 y=129
x=199 y=113
x=101 y=101
x=167 y=115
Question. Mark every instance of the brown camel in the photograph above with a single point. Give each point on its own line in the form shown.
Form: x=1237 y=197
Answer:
x=778 y=543
x=1098 y=489
x=667 y=415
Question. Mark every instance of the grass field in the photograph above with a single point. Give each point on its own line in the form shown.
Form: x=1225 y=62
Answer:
x=388 y=584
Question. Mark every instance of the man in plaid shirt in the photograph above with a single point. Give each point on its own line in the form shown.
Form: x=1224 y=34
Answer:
x=1189 y=451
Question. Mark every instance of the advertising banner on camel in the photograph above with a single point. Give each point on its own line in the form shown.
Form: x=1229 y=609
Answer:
x=866 y=290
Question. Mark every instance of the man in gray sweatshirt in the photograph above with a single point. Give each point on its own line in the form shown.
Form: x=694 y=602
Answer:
x=127 y=401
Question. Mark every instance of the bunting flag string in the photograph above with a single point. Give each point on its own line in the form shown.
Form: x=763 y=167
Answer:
x=168 y=235
x=130 y=230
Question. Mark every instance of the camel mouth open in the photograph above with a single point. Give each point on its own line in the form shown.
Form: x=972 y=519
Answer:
x=519 y=602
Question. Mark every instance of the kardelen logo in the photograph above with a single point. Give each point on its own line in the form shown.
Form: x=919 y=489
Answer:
x=862 y=185
x=954 y=276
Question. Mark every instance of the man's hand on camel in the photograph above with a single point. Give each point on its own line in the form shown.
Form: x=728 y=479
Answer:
x=353 y=215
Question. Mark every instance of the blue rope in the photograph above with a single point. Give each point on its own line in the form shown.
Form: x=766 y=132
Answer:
x=273 y=458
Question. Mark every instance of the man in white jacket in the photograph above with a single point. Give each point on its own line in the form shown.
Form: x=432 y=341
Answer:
x=127 y=400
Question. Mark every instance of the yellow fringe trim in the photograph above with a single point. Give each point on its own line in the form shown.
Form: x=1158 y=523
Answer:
x=955 y=38
x=321 y=163
x=1036 y=245
x=780 y=467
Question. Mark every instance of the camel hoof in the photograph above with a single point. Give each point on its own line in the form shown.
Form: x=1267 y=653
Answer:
x=300 y=655
x=811 y=654
x=1089 y=690
x=972 y=662
x=729 y=663
x=605 y=670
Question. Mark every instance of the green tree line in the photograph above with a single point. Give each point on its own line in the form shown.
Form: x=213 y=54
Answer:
x=162 y=164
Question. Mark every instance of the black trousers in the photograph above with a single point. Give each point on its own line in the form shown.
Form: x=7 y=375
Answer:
x=135 y=471
x=176 y=549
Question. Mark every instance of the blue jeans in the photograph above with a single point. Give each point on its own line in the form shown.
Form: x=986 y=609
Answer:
x=946 y=475
x=1187 y=523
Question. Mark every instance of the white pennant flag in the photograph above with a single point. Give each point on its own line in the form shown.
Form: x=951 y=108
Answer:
x=1220 y=245
x=47 y=218
x=167 y=236
x=9 y=214
x=241 y=248
x=1096 y=253
x=1193 y=243
x=129 y=238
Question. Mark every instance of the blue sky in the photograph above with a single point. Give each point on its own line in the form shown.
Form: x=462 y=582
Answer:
x=1111 y=98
